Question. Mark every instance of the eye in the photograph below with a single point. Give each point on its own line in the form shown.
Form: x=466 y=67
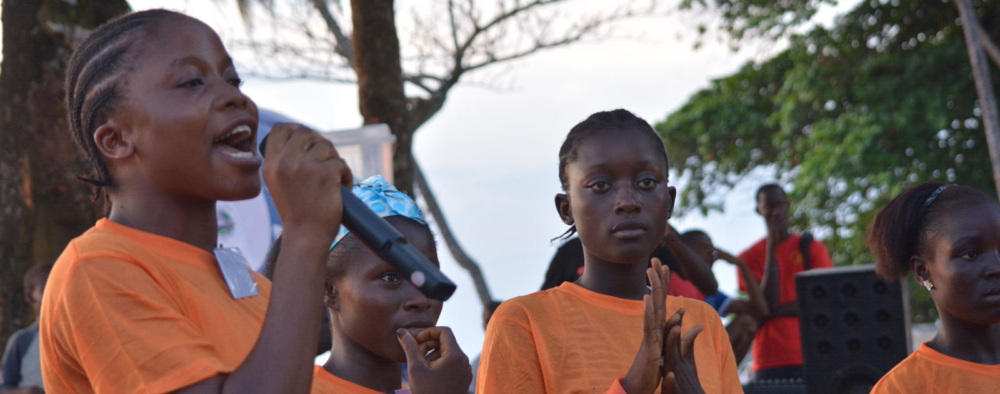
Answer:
x=648 y=183
x=391 y=278
x=191 y=83
x=599 y=186
x=969 y=255
x=237 y=82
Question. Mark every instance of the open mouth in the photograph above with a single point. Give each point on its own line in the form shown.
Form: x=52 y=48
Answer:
x=239 y=139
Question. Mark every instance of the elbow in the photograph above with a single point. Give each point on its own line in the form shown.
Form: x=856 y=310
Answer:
x=709 y=286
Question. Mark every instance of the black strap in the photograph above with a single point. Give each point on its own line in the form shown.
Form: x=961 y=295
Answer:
x=804 y=243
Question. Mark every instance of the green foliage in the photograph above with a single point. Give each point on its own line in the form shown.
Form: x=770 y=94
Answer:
x=768 y=19
x=850 y=117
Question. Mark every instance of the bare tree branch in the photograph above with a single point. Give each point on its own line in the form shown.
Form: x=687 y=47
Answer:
x=454 y=247
x=343 y=41
x=989 y=46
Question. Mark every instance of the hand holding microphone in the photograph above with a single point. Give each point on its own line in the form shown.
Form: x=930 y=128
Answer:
x=377 y=234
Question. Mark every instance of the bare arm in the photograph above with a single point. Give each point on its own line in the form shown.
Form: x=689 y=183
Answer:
x=304 y=174
x=22 y=390
x=771 y=281
x=790 y=308
x=692 y=267
x=758 y=304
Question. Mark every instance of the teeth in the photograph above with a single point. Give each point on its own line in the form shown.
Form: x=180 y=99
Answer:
x=241 y=154
x=237 y=130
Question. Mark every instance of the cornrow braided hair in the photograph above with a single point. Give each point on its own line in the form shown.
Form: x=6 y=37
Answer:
x=620 y=121
x=94 y=80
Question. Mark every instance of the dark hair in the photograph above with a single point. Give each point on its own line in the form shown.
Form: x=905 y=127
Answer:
x=619 y=120
x=900 y=229
x=692 y=235
x=94 y=79
x=342 y=252
x=36 y=274
x=768 y=187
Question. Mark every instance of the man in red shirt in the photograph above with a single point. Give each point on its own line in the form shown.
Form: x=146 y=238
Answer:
x=774 y=261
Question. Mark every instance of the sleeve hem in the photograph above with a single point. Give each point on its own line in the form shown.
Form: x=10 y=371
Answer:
x=616 y=387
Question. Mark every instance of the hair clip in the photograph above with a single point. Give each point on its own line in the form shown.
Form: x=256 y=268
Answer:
x=930 y=199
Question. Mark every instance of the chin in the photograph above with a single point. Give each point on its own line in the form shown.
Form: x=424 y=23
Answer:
x=243 y=192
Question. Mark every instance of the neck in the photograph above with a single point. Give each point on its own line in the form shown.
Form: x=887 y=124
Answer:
x=353 y=363
x=617 y=280
x=780 y=235
x=977 y=343
x=190 y=221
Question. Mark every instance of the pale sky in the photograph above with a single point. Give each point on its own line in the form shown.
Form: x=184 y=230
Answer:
x=491 y=156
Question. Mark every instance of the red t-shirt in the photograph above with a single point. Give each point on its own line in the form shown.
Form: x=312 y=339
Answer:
x=680 y=287
x=778 y=342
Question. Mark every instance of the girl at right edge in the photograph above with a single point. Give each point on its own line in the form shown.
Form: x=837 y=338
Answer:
x=949 y=237
x=608 y=331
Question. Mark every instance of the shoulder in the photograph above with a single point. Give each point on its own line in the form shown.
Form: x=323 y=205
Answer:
x=695 y=311
x=908 y=374
x=21 y=339
x=754 y=250
x=521 y=308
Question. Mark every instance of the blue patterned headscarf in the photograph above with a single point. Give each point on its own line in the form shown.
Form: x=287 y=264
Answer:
x=385 y=200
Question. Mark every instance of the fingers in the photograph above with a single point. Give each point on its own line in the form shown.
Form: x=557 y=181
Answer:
x=672 y=333
x=665 y=278
x=438 y=342
x=669 y=383
x=413 y=354
x=658 y=289
x=687 y=341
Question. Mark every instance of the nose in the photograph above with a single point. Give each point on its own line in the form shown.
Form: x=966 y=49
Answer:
x=626 y=200
x=231 y=97
x=993 y=265
x=415 y=300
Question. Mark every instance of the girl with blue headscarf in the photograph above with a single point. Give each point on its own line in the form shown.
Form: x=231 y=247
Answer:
x=378 y=320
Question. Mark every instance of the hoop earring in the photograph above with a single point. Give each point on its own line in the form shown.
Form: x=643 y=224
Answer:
x=928 y=284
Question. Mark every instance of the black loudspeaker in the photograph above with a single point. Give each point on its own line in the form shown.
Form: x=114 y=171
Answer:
x=778 y=386
x=855 y=328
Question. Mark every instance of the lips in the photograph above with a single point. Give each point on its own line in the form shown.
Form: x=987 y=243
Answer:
x=629 y=230
x=416 y=327
x=239 y=138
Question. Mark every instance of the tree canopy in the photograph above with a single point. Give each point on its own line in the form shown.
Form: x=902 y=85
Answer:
x=849 y=115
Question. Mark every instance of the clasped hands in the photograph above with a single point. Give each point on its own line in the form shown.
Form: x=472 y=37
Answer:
x=666 y=356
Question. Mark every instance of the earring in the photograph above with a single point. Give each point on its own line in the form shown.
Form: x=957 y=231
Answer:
x=928 y=284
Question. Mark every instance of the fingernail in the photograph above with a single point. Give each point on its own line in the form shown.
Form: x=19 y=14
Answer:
x=400 y=332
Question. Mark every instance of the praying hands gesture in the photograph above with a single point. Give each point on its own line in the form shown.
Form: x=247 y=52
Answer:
x=665 y=357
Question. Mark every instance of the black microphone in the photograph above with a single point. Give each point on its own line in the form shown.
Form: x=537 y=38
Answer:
x=383 y=239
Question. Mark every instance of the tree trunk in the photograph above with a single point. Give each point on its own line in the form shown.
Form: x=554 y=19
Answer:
x=42 y=205
x=380 y=80
x=984 y=85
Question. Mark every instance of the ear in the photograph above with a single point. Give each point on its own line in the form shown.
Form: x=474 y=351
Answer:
x=331 y=299
x=562 y=206
x=919 y=268
x=113 y=141
x=673 y=200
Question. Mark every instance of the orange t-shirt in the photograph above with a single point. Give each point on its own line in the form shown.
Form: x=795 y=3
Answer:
x=929 y=371
x=325 y=382
x=127 y=311
x=570 y=339
x=779 y=342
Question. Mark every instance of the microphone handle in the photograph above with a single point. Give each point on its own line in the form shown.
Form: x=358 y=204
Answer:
x=383 y=239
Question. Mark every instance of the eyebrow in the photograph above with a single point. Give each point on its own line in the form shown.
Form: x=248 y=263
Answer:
x=644 y=163
x=966 y=240
x=194 y=60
